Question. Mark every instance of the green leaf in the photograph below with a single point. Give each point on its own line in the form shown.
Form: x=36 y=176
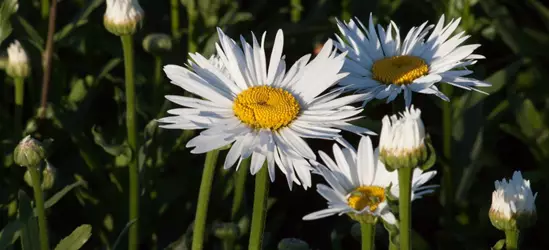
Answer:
x=56 y=197
x=121 y=235
x=7 y=8
x=29 y=233
x=31 y=32
x=76 y=239
x=79 y=20
x=122 y=152
x=499 y=245
x=9 y=233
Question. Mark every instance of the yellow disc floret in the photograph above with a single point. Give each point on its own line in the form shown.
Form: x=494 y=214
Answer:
x=399 y=70
x=366 y=196
x=266 y=107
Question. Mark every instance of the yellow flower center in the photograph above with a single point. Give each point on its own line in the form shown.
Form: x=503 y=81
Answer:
x=399 y=70
x=266 y=107
x=366 y=196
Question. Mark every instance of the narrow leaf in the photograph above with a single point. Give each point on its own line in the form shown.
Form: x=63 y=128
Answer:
x=76 y=239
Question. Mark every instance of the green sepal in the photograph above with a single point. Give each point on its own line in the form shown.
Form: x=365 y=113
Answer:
x=499 y=245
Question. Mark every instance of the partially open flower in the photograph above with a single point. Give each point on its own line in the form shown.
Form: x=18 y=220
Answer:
x=513 y=204
x=18 y=61
x=122 y=16
x=402 y=140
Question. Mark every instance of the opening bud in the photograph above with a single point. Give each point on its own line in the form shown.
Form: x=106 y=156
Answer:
x=18 y=61
x=29 y=153
x=122 y=16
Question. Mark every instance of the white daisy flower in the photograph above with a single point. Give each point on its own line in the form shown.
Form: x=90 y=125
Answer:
x=358 y=184
x=383 y=65
x=513 y=203
x=264 y=109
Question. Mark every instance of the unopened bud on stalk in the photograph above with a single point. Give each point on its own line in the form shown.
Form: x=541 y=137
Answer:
x=29 y=153
x=513 y=204
x=48 y=177
x=292 y=244
x=157 y=43
x=18 y=61
x=402 y=140
x=122 y=16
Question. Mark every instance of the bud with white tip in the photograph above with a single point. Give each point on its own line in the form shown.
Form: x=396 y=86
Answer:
x=122 y=16
x=18 y=61
x=29 y=153
x=402 y=140
x=513 y=204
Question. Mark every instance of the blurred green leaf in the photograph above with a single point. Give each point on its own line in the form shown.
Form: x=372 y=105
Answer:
x=57 y=196
x=7 y=8
x=122 y=234
x=76 y=239
x=29 y=233
x=80 y=20
x=499 y=245
x=123 y=153
x=10 y=233
x=31 y=32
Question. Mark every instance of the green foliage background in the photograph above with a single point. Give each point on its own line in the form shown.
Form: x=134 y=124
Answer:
x=492 y=135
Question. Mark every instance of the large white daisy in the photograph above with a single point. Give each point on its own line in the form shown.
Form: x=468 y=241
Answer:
x=263 y=109
x=358 y=184
x=383 y=65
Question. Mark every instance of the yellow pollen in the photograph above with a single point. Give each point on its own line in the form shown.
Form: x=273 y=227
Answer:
x=399 y=70
x=266 y=107
x=366 y=196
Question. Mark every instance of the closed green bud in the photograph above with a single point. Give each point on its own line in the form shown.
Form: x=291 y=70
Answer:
x=226 y=231
x=292 y=244
x=29 y=153
x=157 y=43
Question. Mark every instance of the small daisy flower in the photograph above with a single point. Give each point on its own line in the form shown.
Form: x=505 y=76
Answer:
x=359 y=184
x=263 y=110
x=122 y=16
x=513 y=204
x=402 y=140
x=383 y=65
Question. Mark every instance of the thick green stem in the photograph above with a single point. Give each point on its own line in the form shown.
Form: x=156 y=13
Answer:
x=512 y=240
x=133 y=233
x=175 y=18
x=447 y=183
x=240 y=187
x=19 y=97
x=368 y=231
x=295 y=10
x=45 y=8
x=404 y=207
x=259 y=215
x=39 y=200
x=203 y=199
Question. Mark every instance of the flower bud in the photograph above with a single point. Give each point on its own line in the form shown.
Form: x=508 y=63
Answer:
x=157 y=43
x=48 y=177
x=18 y=61
x=513 y=204
x=226 y=231
x=29 y=153
x=402 y=140
x=122 y=16
x=292 y=244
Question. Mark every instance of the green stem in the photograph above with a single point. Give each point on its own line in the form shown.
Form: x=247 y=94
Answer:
x=259 y=214
x=368 y=235
x=203 y=199
x=345 y=13
x=295 y=10
x=447 y=183
x=512 y=240
x=192 y=15
x=39 y=200
x=45 y=8
x=133 y=233
x=157 y=81
x=175 y=18
x=404 y=207
x=240 y=187
x=19 y=97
